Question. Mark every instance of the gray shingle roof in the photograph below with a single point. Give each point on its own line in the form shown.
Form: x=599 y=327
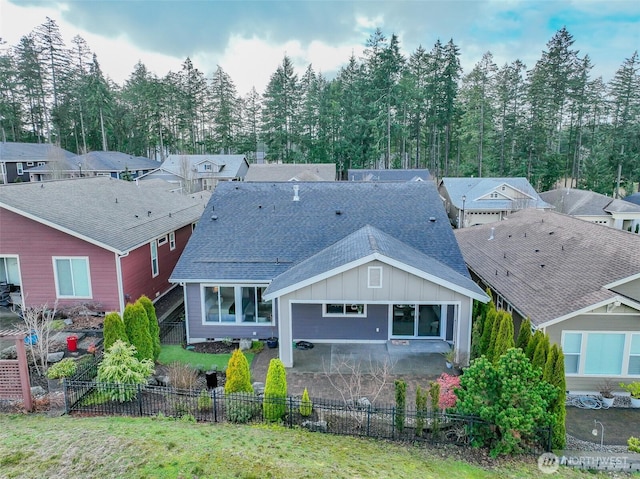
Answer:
x=291 y=172
x=556 y=264
x=634 y=198
x=363 y=243
x=113 y=213
x=255 y=231
x=232 y=164
x=388 y=175
x=32 y=152
x=103 y=161
x=475 y=188
x=585 y=203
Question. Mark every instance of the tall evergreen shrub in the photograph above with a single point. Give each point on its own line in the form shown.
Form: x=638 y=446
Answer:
x=504 y=339
x=154 y=327
x=238 y=375
x=274 y=404
x=524 y=334
x=113 y=330
x=401 y=403
x=136 y=325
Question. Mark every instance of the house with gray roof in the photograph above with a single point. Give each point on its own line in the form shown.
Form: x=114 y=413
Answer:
x=577 y=281
x=326 y=262
x=95 y=163
x=388 y=175
x=478 y=201
x=191 y=173
x=98 y=241
x=633 y=198
x=291 y=172
x=594 y=207
x=17 y=158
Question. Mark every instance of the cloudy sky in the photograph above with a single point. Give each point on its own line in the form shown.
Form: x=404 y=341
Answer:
x=248 y=38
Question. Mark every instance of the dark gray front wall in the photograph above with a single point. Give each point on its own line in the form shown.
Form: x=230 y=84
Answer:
x=308 y=323
x=197 y=330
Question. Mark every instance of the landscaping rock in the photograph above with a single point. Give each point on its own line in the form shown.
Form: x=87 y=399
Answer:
x=245 y=344
x=162 y=380
x=38 y=391
x=68 y=321
x=219 y=391
x=315 y=426
x=55 y=357
x=9 y=353
x=258 y=388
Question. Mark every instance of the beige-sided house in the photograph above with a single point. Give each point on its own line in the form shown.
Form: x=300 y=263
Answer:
x=478 y=201
x=291 y=172
x=333 y=262
x=576 y=280
x=594 y=207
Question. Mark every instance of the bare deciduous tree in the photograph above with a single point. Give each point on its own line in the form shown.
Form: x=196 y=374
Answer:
x=38 y=321
x=187 y=174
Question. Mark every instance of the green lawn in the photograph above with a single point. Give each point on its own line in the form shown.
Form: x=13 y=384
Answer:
x=172 y=354
x=36 y=446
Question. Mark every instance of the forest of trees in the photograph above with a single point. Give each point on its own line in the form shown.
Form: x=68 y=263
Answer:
x=548 y=122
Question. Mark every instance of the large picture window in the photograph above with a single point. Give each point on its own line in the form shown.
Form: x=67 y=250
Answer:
x=236 y=304
x=72 y=277
x=601 y=353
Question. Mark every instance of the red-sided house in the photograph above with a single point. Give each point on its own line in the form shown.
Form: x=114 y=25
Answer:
x=97 y=241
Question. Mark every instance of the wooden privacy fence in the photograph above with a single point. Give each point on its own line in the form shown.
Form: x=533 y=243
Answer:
x=14 y=373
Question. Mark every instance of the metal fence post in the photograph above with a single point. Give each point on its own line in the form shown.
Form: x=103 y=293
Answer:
x=368 y=419
x=290 y=412
x=139 y=399
x=66 y=399
x=215 y=406
x=393 y=422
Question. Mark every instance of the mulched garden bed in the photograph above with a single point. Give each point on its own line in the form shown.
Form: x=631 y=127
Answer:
x=215 y=347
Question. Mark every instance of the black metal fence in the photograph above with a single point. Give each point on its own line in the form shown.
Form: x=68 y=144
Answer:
x=386 y=422
x=173 y=332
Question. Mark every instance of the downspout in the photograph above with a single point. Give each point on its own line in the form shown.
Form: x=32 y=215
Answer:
x=186 y=309
x=119 y=279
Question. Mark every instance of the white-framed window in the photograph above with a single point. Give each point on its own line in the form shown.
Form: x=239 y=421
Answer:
x=172 y=240
x=30 y=163
x=374 y=277
x=193 y=226
x=155 y=268
x=9 y=270
x=584 y=353
x=72 y=277
x=344 y=309
x=240 y=304
x=162 y=240
x=41 y=163
x=19 y=169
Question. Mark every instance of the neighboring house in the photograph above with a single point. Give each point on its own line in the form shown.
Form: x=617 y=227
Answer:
x=389 y=175
x=577 y=281
x=634 y=198
x=100 y=241
x=96 y=163
x=478 y=201
x=291 y=172
x=193 y=173
x=326 y=262
x=594 y=207
x=17 y=158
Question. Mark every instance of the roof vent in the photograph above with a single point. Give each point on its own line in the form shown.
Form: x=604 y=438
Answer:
x=338 y=212
x=492 y=231
x=214 y=217
x=432 y=219
x=149 y=213
x=295 y=193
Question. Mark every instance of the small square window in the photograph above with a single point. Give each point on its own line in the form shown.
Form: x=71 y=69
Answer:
x=162 y=240
x=375 y=277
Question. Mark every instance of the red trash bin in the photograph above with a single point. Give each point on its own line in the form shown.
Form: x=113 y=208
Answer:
x=72 y=343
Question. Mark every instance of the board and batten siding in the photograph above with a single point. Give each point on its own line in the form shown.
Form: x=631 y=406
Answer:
x=198 y=332
x=137 y=277
x=36 y=244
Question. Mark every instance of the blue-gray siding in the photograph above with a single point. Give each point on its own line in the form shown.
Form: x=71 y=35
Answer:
x=308 y=323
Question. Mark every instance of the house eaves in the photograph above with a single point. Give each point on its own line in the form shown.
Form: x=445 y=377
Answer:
x=615 y=298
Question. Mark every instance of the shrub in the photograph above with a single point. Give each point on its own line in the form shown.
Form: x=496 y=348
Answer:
x=154 y=328
x=204 y=401
x=241 y=407
x=541 y=353
x=421 y=410
x=275 y=391
x=238 y=375
x=63 y=369
x=448 y=384
x=121 y=369
x=113 y=330
x=182 y=376
x=136 y=325
x=504 y=338
x=306 y=407
x=524 y=335
x=401 y=403
x=487 y=328
x=508 y=395
x=634 y=444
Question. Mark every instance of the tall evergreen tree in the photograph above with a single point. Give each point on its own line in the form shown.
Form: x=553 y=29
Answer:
x=224 y=104
x=524 y=335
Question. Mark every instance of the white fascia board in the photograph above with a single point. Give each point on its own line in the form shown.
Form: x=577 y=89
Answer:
x=218 y=282
x=55 y=226
x=621 y=281
x=586 y=309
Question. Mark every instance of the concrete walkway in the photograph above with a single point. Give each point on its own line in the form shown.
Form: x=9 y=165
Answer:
x=332 y=371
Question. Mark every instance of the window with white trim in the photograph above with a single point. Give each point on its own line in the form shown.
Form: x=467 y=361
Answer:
x=72 y=277
x=634 y=356
x=571 y=347
x=30 y=163
x=162 y=240
x=236 y=304
x=374 y=275
x=19 y=169
x=583 y=352
x=9 y=271
x=343 y=309
x=155 y=268
x=41 y=163
x=172 y=240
